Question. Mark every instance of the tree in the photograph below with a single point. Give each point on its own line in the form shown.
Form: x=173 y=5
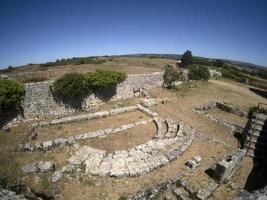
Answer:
x=219 y=63
x=187 y=58
x=172 y=75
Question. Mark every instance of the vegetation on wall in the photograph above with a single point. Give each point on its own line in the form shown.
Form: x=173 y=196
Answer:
x=171 y=75
x=79 y=85
x=104 y=79
x=11 y=95
x=198 y=73
x=71 y=85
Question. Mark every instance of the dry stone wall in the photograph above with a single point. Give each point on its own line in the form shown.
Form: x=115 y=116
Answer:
x=40 y=103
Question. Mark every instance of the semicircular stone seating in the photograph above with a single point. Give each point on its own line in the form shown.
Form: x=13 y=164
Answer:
x=168 y=144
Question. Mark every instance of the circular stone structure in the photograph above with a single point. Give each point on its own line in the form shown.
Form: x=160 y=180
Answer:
x=165 y=147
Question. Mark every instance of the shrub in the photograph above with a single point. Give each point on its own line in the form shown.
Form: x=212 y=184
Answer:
x=198 y=73
x=171 y=75
x=79 y=85
x=104 y=79
x=11 y=94
x=71 y=85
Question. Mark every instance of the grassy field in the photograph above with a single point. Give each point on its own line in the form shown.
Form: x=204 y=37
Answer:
x=131 y=65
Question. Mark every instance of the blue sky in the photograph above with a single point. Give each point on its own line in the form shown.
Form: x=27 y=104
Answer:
x=35 y=31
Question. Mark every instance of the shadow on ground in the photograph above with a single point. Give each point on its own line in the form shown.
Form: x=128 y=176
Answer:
x=9 y=115
x=259 y=92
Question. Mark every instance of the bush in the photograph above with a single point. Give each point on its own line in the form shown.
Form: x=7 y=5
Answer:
x=11 y=95
x=171 y=75
x=79 y=85
x=198 y=73
x=104 y=79
x=71 y=85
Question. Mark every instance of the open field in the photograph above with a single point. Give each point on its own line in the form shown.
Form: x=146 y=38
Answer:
x=130 y=65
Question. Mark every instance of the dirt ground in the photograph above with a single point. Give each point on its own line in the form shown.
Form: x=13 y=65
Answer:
x=76 y=128
x=179 y=107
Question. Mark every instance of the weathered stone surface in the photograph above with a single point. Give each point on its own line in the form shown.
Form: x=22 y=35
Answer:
x=45 y=166
x=148 y=102
x=30 y=168
x=41 y=166
x=48 y=145
x=227 y=168
x=147 y=111
x=10 y=195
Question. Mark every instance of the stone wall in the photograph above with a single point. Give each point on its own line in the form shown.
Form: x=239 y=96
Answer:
x=227 y=168
x=40 y=103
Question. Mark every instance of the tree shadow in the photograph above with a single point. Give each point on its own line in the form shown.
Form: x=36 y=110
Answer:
x=258 y=176
x=10 y=114
x=259 y=92
x=107 y=94
x=78 y=101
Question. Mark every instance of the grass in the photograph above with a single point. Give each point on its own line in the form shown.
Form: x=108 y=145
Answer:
x=130 y=65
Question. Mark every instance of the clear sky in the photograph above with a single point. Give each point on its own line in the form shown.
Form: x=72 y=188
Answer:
x=43 y=30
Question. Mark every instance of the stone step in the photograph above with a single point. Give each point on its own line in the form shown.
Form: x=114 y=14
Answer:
x=160 y=128
x=258 y=122
x=257 y=145
x=257 y=139
x=257 y=132
x=171 y=128
x=251 y=153
x=256 y=127
x=181 y=193
x=180 y=129
x=261 y=116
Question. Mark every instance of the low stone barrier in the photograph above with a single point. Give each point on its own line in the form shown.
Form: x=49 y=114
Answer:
x=135 y=161
x=202 y=109
x=51 y=144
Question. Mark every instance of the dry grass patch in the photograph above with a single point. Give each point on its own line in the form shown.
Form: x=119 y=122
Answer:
x=124 y=140
x=75 y=128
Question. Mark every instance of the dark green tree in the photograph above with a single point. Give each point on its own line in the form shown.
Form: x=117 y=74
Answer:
x=219 y=63
x=187 y=58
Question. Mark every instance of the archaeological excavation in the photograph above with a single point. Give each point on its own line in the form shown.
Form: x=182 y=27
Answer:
x=143 y=142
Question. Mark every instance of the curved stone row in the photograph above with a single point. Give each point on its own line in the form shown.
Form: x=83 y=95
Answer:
x=87 y=116
x=135 y=161
x=51 y=144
